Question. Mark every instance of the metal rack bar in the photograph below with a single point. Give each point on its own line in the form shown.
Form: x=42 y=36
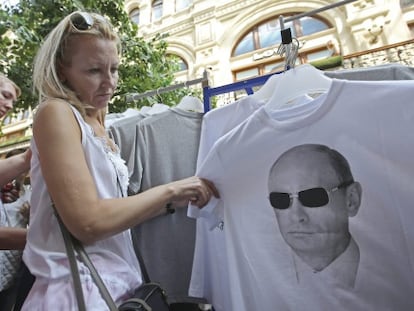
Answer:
x=138 y=96
x=313 y=12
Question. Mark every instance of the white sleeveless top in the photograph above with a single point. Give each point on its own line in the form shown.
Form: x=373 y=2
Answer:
x=45 y=254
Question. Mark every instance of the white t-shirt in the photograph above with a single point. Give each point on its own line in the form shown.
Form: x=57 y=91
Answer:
x=371 y=124
x=209 y=277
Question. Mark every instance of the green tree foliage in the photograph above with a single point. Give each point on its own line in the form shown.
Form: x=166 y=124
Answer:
x=145 y=64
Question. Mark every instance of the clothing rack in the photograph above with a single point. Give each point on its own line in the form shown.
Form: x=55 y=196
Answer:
x=260 y=80
x=138 y=96
x=208 y=91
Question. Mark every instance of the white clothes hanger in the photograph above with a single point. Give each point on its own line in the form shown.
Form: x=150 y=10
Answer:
x=299 y=81
x=267 y=89
x=157 y=108
x=191 y=103
x=130 y=112
x=145 y=109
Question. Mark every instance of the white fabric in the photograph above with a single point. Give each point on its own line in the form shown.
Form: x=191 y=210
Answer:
x=341 y=272
x=371 y=123
x=115 y=117
x=122 y=132
x=10 y=260
x=45 y=255
x=220 y=121
x=209 y=278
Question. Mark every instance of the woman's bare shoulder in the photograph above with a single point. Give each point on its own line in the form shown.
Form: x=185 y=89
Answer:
x=53 y=109
x=54 y=115
x=52 y=106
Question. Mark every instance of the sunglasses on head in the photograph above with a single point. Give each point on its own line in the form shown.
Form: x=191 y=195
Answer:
x=313 y=197
x=84 y=21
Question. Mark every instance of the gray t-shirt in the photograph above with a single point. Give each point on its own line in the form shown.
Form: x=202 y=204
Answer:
x=393 y=71
x=166 y=149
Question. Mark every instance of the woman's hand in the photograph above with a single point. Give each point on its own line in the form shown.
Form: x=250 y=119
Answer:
x=10 y=193
x=193 y=189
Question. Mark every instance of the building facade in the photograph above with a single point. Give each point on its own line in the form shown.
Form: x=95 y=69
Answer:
x=239 y=39
x=235 y=40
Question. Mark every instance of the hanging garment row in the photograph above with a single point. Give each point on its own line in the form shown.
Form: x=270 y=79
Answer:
x=178 y=141
x=159 y=146
x=279 y=237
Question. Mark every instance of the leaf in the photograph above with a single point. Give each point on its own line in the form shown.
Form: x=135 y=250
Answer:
x=144 y=62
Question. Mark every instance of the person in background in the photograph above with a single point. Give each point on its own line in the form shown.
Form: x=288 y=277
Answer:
x=12 y=239
x=77 y=169
x=313 y=193
x=9 y=92
x=15 y=196
x=10 y=168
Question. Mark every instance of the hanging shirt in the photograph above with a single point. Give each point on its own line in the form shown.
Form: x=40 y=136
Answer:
x=392 y=71
x=166 y=150
x=122 y=132
x=341 y=272
x=209 y=276
x=371 y=124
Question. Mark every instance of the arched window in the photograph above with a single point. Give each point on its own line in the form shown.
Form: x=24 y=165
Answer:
x=156 y=10
x=264 y=39
x=182 y=4
x=134 y=16
x=267 y=34
x=181 y=64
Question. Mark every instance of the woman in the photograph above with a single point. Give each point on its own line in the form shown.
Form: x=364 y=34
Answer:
x=10 y=168
x=77 y=167
x=14 y=212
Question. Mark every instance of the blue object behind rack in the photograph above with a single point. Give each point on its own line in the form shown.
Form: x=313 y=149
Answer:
x=246 y=85
x=208 y=91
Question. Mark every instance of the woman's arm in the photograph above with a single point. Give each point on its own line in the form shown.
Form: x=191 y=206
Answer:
x=72 y=188
x=12 y=167
x=12 y=238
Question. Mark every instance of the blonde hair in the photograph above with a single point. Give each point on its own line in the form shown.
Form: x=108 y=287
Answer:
x=4 y=79
x=52 y=53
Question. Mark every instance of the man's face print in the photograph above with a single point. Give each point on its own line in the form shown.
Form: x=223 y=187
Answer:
x=315 y=231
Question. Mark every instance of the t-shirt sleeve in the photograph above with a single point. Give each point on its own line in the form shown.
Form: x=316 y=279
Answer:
x=213 y=211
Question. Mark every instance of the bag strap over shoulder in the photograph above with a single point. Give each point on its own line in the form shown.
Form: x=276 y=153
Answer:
x=73 y=245
x=73 y=264
x=144 y=271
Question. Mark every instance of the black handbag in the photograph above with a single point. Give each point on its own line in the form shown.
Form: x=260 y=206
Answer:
x=150 y=296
